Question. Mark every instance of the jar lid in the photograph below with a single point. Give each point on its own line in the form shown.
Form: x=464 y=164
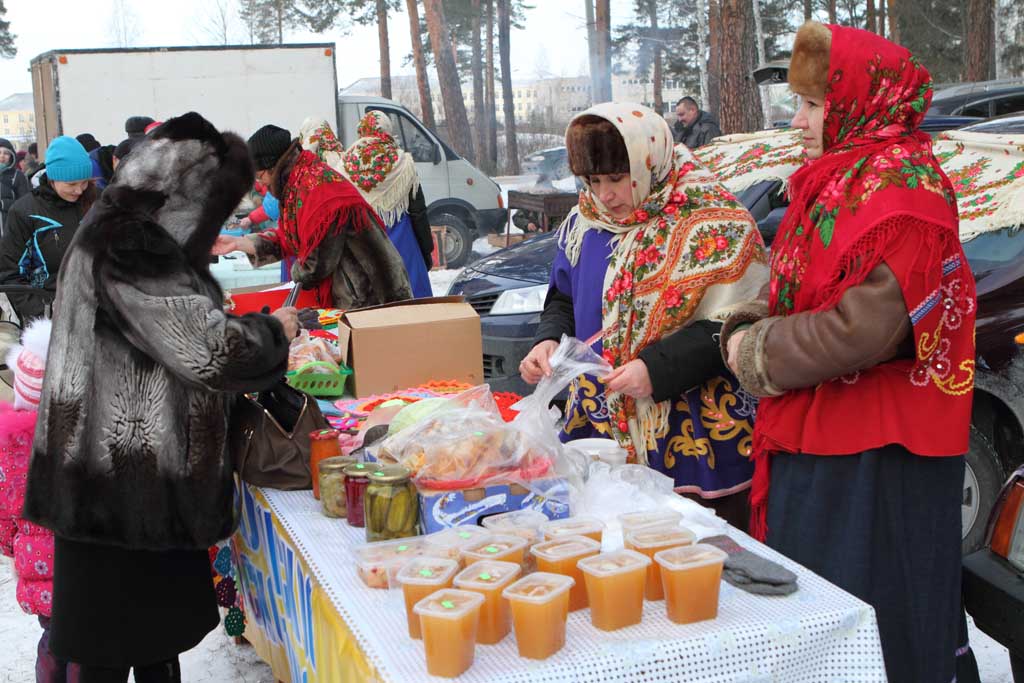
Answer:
x=324 y=435
x=336 y=464
x=389 y=474
x=358 y=470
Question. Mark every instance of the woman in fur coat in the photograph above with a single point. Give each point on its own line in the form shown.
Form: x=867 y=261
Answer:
x=130 y=467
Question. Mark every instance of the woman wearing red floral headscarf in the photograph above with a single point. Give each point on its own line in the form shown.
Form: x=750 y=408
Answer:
x=864 y=352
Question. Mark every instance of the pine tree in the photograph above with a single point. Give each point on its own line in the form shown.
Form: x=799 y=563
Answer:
x=7 y=47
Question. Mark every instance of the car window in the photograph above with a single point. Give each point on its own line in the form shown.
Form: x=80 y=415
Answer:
x=977 y=109
x=1009 y=105
x=409 y=136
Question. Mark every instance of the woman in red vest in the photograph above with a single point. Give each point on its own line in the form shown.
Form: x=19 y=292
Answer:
x=863 y=352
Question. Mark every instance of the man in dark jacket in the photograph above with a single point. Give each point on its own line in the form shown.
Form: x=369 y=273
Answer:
x=13 y=183
x=694 y=127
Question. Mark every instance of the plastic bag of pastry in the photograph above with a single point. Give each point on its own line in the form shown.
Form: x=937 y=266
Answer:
x=305 y=349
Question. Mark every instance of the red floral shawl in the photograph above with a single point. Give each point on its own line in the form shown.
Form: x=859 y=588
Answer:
x=877 y=194
x=319 y=203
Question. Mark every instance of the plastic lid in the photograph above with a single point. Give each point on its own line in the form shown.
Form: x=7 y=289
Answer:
x=401 y=550
x=427 y=571
x=517 y=520
x=690 y=557
x=538 y=588
x=659 y=537
x=565 y=547
x=457 y=537
x=449 y=603
x=359 y=469
x=610 y=564
x=635 y=520
x=494 y=546
x=574 y=526
x=488 y=575
x=336 y=464
x=389 y=474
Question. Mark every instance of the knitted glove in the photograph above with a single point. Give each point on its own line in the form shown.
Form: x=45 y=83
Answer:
x=751 y=572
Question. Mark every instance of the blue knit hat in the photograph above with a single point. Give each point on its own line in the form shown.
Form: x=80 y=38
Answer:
x=67 y=161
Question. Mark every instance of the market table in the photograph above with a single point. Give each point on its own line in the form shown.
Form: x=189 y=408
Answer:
x=312 y=619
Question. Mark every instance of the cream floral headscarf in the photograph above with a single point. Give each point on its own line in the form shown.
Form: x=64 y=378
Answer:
x=384 y=174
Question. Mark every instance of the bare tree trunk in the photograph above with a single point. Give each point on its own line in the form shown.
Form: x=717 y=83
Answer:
x=714 y=100
x=808 y=9
x=894 y=22
x=448 y=76
x=479 y=111
x=741 y=99
x=504 y=49
x=758 y=31
x=595 y=66
x=871 y=23
x=489 y=94
x=603 y=29
x=702 y=50
x=385 y=49
x=422 y=77
x=659 y=102
x=979 y=42
x=279 y=6
x=832 y=11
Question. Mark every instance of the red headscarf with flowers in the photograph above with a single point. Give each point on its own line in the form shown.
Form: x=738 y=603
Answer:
x=876 y=195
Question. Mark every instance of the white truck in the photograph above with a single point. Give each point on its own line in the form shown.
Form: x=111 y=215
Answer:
x=241 y=88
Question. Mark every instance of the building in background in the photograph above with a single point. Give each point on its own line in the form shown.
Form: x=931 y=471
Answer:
x=18 y=119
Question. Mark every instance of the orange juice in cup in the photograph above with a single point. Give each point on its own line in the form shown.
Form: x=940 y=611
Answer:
x=489 y=578
x=504 y=547
x=540 y=608
x=615 y=587
x=631 y=521
x=420 y=577
x=591 y=527
x=651 y=540
x=448 y=621
x=692 y=576
x=562 y=556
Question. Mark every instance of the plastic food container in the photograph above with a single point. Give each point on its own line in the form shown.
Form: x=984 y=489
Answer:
x=378 y=563
x=590 y=527
x=323 y=444
x=489 y=578
x=391 y=506
x=419 y=578
x=692 y=577
x=540 y=608
x=448 y=621
x=332 y=485
x=503 y=547
x=639 y=520
x=525 y=523
x=615 y=588
x=561 y=556
x=605 y=450
x=450 y=542
x=355 y=487
x=650 y=540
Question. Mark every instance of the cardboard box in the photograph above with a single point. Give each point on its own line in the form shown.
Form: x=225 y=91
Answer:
x=440 y=510
x=498 y=241
x=408 y=343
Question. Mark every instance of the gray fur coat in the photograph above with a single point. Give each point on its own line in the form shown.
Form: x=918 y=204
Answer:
x=144 y=364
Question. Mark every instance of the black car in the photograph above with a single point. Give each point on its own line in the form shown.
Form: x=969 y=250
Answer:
x=983 y=99
x=1001 y=125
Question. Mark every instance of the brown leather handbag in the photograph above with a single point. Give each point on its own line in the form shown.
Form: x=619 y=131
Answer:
x=269 y=437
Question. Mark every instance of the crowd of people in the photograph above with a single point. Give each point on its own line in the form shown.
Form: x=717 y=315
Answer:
x=736 y=373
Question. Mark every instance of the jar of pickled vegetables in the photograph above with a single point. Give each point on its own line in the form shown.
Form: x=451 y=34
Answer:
x=355 y=487
x=391 y=505
x=323 y=444
x=332 y=484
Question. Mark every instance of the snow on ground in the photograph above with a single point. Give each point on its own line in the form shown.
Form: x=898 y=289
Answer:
x=440 y=280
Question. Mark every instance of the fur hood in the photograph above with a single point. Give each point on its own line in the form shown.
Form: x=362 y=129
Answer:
x=808 y=67
x=131 y=444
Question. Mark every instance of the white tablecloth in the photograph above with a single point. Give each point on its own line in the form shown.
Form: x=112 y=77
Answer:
x=819 y=634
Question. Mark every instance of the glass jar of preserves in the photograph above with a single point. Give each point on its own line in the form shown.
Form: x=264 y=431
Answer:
x=391 y=505
x=355 y=486
x=332 y=484
x=323 y=444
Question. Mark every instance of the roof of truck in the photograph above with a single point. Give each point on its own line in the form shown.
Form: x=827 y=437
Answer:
x=49 y=54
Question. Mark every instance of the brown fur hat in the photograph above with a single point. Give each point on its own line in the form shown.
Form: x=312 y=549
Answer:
x=808 y=67
x=595 y=147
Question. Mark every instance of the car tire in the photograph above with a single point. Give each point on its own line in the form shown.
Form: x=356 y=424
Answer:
x=983 y=478
x=458 y=244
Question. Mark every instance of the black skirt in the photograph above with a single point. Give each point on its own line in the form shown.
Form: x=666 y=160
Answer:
x=115 y=607
x=883 y=525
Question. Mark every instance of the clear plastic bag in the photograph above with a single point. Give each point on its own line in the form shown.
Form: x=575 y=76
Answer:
x=305 y=349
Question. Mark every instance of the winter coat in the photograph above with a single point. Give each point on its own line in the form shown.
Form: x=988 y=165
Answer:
x=144 y=365
x=698 y=134
x=13 y=186
x=421 y=226
x=39 y=229
x=102 y=165
x=29 y=544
